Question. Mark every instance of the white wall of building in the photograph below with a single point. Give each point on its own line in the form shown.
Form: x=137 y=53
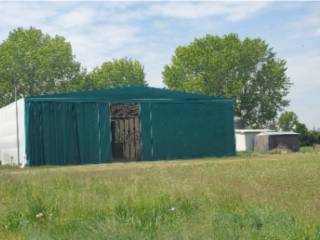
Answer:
x=245 y=138
x=8 y=134
x=240 y=142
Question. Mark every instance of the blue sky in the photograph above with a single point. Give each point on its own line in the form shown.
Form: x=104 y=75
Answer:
x=150 y=32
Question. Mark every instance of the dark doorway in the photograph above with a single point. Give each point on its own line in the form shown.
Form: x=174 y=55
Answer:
x=125 y=128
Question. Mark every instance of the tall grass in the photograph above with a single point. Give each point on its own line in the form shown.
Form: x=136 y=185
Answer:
x=253 y=196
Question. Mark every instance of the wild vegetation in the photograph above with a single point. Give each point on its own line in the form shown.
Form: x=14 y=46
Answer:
x=252 y=196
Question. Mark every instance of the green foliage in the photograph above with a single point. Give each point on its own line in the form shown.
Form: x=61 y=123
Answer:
x=308 y=137
x=247 y=197
x=246 y=70
x=36 y=62
x=288 y=121
x=117 y=73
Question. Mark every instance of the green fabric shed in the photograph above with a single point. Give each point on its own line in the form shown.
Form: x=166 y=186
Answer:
x=126 y=124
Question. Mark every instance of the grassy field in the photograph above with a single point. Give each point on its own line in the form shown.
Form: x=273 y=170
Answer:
x=252 y=196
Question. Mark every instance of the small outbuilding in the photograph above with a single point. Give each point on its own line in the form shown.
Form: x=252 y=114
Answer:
x=271 y=140
x=245 y=138
x=118 y=124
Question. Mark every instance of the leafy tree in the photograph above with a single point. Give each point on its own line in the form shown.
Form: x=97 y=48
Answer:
x=82 y=81
x=307 y=137
x=117 y=73
x=247 y=71
x=36 y=62
x=288 y=121
x=301 y=128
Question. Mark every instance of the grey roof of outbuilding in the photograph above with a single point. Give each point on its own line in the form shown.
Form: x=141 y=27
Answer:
x=278 y=133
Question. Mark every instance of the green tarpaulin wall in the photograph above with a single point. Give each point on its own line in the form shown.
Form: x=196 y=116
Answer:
x=187 y=130
x=67 y=133
x=74 y=128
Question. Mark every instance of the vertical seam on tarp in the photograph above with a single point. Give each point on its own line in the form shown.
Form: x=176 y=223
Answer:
x=151 y=131
x=41 y=135
x=99 y=132
x=26 y=130
x=232 y=124
x=55 y=142
x=110 y=133
x=75 y=129
x=140 y=133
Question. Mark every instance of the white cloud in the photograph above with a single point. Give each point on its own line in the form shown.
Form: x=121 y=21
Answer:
x=15 y=15
x=242 y=11
x=97 y=44
x=197 y=10
x=78 y=16
x=308 y=24
x=304 y=69
x=188 y=10
x=304 y=95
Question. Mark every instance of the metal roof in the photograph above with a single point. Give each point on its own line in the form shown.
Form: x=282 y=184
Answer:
x=279 y=133
x=252 y=130
x=126 y=93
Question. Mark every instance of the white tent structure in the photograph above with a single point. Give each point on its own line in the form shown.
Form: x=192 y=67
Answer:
x=245 y=138
x=12 y=126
